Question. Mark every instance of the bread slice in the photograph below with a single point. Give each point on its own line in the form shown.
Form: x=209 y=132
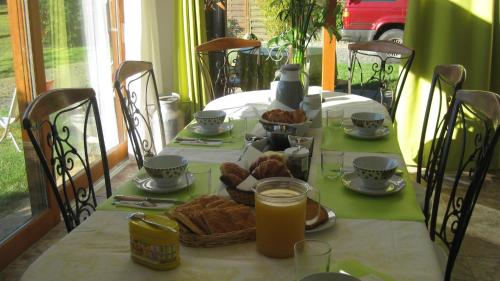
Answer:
x=217 y=222
x=311 y=211
x=180 y=217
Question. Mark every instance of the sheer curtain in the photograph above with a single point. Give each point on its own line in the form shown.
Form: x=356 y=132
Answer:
x=99 y=61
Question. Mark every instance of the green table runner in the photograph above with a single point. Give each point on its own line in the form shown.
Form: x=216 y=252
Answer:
x=231 y=140
x=336 y=139
x=351 y=205
x=129 y=188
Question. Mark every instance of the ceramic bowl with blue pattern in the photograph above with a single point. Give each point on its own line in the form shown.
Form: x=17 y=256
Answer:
x=375 y=171
x=210 y=120
x=165 y=169
x=367 y=122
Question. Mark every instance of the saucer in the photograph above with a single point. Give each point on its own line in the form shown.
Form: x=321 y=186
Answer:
x=354 y=132
x=329 y=276
x=149 y=185
x=353 y=182
x=327 y=224
x=197 y=129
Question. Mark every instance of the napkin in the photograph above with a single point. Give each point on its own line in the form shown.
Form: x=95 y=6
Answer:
x=201 y=143
x=250 y=155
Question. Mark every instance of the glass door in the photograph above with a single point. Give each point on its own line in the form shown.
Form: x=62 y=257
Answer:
x=48 y=44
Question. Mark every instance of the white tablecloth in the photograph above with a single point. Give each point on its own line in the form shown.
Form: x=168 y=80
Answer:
x=99 y=250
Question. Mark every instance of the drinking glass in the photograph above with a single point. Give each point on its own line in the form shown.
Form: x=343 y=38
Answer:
x=334 y=117
x=311 y=256
x=331 y=164
x=202 y=184
x=280 y=215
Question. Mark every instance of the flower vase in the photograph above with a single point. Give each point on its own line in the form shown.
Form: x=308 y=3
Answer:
x=299 y=56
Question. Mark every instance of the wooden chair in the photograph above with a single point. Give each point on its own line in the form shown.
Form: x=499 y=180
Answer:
x=7 y=121
x=225 y=68
x=382 y=55
x=67 y=150
x=138 y=111
x=482 y=110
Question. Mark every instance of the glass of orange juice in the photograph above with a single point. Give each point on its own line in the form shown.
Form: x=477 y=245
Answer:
x=280 y=211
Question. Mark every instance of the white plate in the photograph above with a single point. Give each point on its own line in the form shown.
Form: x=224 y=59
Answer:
x=197 y=129
x=149 y=185
x=329 y=276
x=327 y=224
x=353 y=182
x=354 y=132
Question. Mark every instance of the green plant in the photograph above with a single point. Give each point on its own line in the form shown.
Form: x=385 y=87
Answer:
x=303 y=19
x=274 y=26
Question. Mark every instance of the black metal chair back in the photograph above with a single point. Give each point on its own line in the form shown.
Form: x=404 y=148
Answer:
x=223 y=75
x=482 y=111
x=132 y=78
x=446 y=81
x=67 y=149
x=384 y=58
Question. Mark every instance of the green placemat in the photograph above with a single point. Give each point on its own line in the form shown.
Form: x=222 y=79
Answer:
x=351 y=205
x=186 y=194
x=336 y=139
x=359 y=270
x=231 y=140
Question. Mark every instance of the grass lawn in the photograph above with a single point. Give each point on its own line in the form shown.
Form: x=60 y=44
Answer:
x=13 y=185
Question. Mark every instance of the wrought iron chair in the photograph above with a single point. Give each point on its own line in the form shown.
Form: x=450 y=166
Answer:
x=64 y=153
x=225 y=68
x=382 y=55
x=446 y=81
x=132 y=78
x=11 y=118
x=482 y=110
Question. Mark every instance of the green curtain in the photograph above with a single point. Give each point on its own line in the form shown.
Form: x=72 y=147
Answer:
x=190 y=31
x=464 y=32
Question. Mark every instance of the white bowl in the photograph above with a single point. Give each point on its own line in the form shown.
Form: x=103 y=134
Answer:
x=210 y=120
x=375 y=171
x=367 y=122
x=165 y=169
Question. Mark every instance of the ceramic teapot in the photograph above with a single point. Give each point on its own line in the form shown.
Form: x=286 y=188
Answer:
x=290 y=91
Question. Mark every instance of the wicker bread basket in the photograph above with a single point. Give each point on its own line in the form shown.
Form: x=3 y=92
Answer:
x=191 y=239
x=240 y=196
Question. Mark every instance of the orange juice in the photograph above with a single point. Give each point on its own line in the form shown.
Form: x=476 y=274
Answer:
x=280 y=221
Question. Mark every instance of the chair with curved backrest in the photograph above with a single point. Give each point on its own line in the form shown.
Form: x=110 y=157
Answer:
x=226 y=67
x=386 y=82
x=134 y=80
x=474 y=118
x=65 y=129
x=446 y=81
x=11 y=118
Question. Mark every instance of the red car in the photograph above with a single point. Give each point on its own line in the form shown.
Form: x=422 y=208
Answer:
x=366 y=20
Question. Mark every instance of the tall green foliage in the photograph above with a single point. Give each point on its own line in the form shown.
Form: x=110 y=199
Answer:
x=302 y=21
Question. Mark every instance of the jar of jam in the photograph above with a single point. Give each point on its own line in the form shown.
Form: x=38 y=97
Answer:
x=154 y=247
x=297 y=159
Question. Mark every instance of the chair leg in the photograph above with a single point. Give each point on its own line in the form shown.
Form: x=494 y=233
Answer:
x=14 y=142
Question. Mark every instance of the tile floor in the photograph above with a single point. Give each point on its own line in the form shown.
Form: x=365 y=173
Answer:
x=479 y=259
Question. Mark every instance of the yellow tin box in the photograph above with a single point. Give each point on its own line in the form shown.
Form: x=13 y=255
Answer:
x=153 y=247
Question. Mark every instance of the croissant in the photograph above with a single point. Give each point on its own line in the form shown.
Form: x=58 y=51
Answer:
x=271 y=168
x=265 y=157
x=232 y=174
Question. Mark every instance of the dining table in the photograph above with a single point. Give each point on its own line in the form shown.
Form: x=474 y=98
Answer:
x=372 y=238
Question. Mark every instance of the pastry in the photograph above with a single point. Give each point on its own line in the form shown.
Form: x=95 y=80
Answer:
x=267 y=156
x=232 y=174
x=282 y=116
x=271 y=168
